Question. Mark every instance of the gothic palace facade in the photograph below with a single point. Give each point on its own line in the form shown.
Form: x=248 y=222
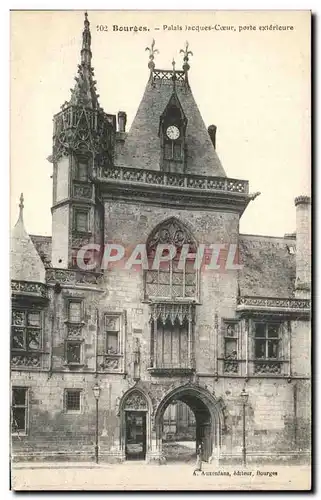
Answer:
x=149 y=341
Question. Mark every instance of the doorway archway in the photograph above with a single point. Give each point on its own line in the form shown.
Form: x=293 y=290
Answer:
x=135 y=425
x=208 y=418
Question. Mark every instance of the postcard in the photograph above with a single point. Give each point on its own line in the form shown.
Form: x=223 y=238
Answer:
x=160 y=250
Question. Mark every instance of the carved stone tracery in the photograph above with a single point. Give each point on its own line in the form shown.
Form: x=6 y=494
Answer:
x=172 y=312
x=29 y=361
x=171 y=232
x=129 y=174
x=135 y=401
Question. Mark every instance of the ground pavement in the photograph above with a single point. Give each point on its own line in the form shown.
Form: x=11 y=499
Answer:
x=142 y=476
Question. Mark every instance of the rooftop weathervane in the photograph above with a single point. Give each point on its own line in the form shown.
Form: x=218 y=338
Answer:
x=186 y=53
x=152 y=52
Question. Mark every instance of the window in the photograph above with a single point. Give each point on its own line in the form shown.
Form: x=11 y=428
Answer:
x=231 y=347
x=73 y=352
x=112 y=328
x=82 y=170
x=169 y=281
x=81 y=221
x=26 y=330
x=19 y=410
x=72 y=400
x=173 y=151
x=74 y=312
x=266 y=340
x=230 y=341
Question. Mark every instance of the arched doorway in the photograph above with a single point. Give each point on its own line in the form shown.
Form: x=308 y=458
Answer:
x=135 y=425
x=208 y=419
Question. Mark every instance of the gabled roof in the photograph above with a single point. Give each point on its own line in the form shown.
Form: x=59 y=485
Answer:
x=25 y=262
x=141 y=148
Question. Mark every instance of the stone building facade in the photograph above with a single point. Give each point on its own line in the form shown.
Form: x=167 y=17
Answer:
x=151 y=338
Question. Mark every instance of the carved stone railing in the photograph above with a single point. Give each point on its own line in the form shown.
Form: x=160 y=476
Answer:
x=26 y=360
x=166 y=75
x=111 y=362
x=267 y=367
x=189 y=181
x=74 y=330
x=285 y=304
x=71 y=276
x=29 y=288
x=82 y=190
x=231 y=366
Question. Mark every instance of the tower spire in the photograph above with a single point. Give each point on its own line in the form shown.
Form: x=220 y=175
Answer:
x=86 y=42
x=84 y=92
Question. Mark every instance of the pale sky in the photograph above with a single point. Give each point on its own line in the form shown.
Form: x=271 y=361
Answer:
x=253 y=85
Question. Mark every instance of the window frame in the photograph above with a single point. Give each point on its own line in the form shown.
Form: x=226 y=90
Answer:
x=74 y=342
x=235 y=337
x=172 y=145
x=78 y=391
x=80 y=301
x=75 y=301
x=266 y=339
x=26 y=406
x=81 y=210
x=119 y=333
x=81 y=161
x=25 y=327
x=171 y=272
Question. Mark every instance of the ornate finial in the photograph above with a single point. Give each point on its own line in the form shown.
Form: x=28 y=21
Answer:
x=86 y=36
x=21 y=207
x=152 y=51
x=174 y=74
x=186 y=53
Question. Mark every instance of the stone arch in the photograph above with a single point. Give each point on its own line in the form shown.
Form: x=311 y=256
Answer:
x=208 y=412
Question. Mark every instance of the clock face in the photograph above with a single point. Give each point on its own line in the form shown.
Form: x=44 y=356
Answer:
x=172 y=132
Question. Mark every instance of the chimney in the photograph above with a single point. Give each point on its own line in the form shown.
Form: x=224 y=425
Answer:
x=212 y=133
x=122 y=119
x=303 y=246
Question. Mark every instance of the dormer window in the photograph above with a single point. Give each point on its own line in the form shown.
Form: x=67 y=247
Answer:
x=172 y=131
x=173 y=151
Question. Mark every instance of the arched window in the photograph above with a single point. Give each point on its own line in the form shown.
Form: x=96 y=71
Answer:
x=172 y=281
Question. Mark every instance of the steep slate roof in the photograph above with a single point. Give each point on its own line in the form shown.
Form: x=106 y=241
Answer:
x=142 y=144
x=43 y=247
x=25 y=262
x=269 y=268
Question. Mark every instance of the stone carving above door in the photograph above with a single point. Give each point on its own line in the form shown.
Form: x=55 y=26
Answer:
x=136 y=401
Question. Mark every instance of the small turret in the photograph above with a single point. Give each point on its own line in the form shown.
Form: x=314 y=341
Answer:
x=25 y=262
x=83 y=143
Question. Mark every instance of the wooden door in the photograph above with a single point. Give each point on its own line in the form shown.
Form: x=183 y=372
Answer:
x=135 y=435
